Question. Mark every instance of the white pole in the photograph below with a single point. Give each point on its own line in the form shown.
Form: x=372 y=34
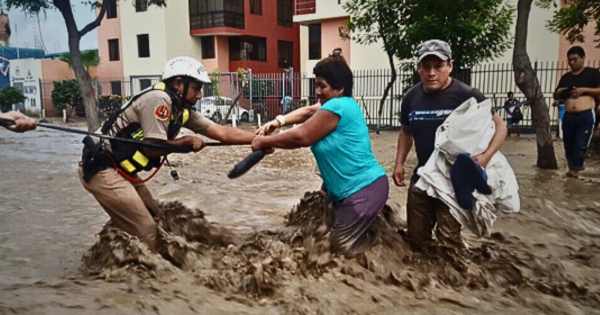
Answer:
x=233 y=121
x=64 y=115
x=258 y=118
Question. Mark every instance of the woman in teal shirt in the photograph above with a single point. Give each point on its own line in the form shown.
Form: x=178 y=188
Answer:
x=337 y=133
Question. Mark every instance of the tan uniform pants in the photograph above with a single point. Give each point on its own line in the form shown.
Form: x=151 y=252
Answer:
x=423 y=213
x=126 y=203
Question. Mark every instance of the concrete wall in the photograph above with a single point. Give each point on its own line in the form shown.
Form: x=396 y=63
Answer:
x=542 y=45
x=178 y=40
x=153 y=23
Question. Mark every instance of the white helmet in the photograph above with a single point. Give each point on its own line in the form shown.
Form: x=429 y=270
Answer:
x=185 y=66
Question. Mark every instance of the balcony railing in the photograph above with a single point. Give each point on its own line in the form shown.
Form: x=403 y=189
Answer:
x=305 y=7
x=217 y=19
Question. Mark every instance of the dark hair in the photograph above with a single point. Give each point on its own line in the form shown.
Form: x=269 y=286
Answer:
x=336 y=72
x=576 y=50
x=510 y=93
x=336 y=52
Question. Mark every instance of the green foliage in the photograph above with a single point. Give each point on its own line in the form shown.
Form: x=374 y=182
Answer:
x=476 y=30
x=215 y=76
x=66 y=95
x=10 y=95
x=89 y=58
x=571 y=20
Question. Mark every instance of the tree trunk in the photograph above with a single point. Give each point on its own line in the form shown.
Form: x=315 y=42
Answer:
x=386 y=92
x=83 y=78
x=85 y=84
x=528 y=83
x=235 y=101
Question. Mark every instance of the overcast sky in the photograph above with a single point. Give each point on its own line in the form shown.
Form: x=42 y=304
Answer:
x=54 y=32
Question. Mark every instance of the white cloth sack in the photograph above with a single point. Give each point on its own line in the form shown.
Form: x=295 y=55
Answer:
x=469 y=130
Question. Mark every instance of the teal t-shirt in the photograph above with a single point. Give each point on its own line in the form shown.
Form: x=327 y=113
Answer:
x=344 y=156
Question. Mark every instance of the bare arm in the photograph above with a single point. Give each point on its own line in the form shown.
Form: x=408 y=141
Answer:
x=22 y=123
x=314 y=129
x=405 y=142
x=497 y=141
x=195 y=143
x=298 y=116
x=590 y=91
x=557 y=93
x=229 y=135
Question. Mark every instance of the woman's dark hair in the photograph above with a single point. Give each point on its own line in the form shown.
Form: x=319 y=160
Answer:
x=336 y=72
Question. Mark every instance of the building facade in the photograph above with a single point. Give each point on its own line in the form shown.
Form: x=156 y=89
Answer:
x=320 y=20
x=137 y=39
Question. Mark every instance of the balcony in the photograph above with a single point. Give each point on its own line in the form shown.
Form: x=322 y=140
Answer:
x=305 y=7
x=216 y=16
x=217 y=19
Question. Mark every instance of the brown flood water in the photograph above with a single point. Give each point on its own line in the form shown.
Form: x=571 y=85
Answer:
x=237 y=247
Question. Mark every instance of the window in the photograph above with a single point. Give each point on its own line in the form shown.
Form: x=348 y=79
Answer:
x=285 y=54
x=216 y=13
x=143 y=46
x=113 y=50
x=256 y=7
x=314 y=41
x=111 y=11
x=115 y=87
x=248 y=48
x=32 y=102
x=208 y=47
x=145 y=83
x=141 y=5
x=284 y=13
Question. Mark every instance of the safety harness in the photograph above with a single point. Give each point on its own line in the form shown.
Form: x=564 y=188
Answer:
x=127 y=158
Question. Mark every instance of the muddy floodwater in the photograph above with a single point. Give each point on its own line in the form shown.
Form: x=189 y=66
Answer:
x=258 y=245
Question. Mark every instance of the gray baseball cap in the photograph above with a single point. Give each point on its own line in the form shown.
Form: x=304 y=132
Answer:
x=435 y=47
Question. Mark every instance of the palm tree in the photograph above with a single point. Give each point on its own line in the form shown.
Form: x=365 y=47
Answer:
x=89 y=57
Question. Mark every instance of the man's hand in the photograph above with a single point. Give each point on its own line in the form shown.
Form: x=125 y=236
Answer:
x=483 y=159
x=268 y=128
x=196 y=143
x=577 y=92
x=22 y=123
x=398 y=175
x=257 y=145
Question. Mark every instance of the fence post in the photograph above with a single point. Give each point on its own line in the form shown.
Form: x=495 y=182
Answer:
x=391 y=103
x=250 y=79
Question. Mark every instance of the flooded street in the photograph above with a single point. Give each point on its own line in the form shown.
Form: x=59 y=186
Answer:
x=241 y=255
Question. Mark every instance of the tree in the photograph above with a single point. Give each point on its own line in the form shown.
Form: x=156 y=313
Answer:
x=372 y=21
x=570 y=20
x=66 y=96
x=74 y=36
x=528 y=83
x=89 y=58
x=10 y=95
x=476 y=30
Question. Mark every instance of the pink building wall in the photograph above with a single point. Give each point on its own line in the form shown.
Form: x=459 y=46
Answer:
x=53 y=70
x=592 y=53
x=330 y=38
x=110 y=29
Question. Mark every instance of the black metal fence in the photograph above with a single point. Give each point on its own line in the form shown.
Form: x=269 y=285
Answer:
x=271 y=94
